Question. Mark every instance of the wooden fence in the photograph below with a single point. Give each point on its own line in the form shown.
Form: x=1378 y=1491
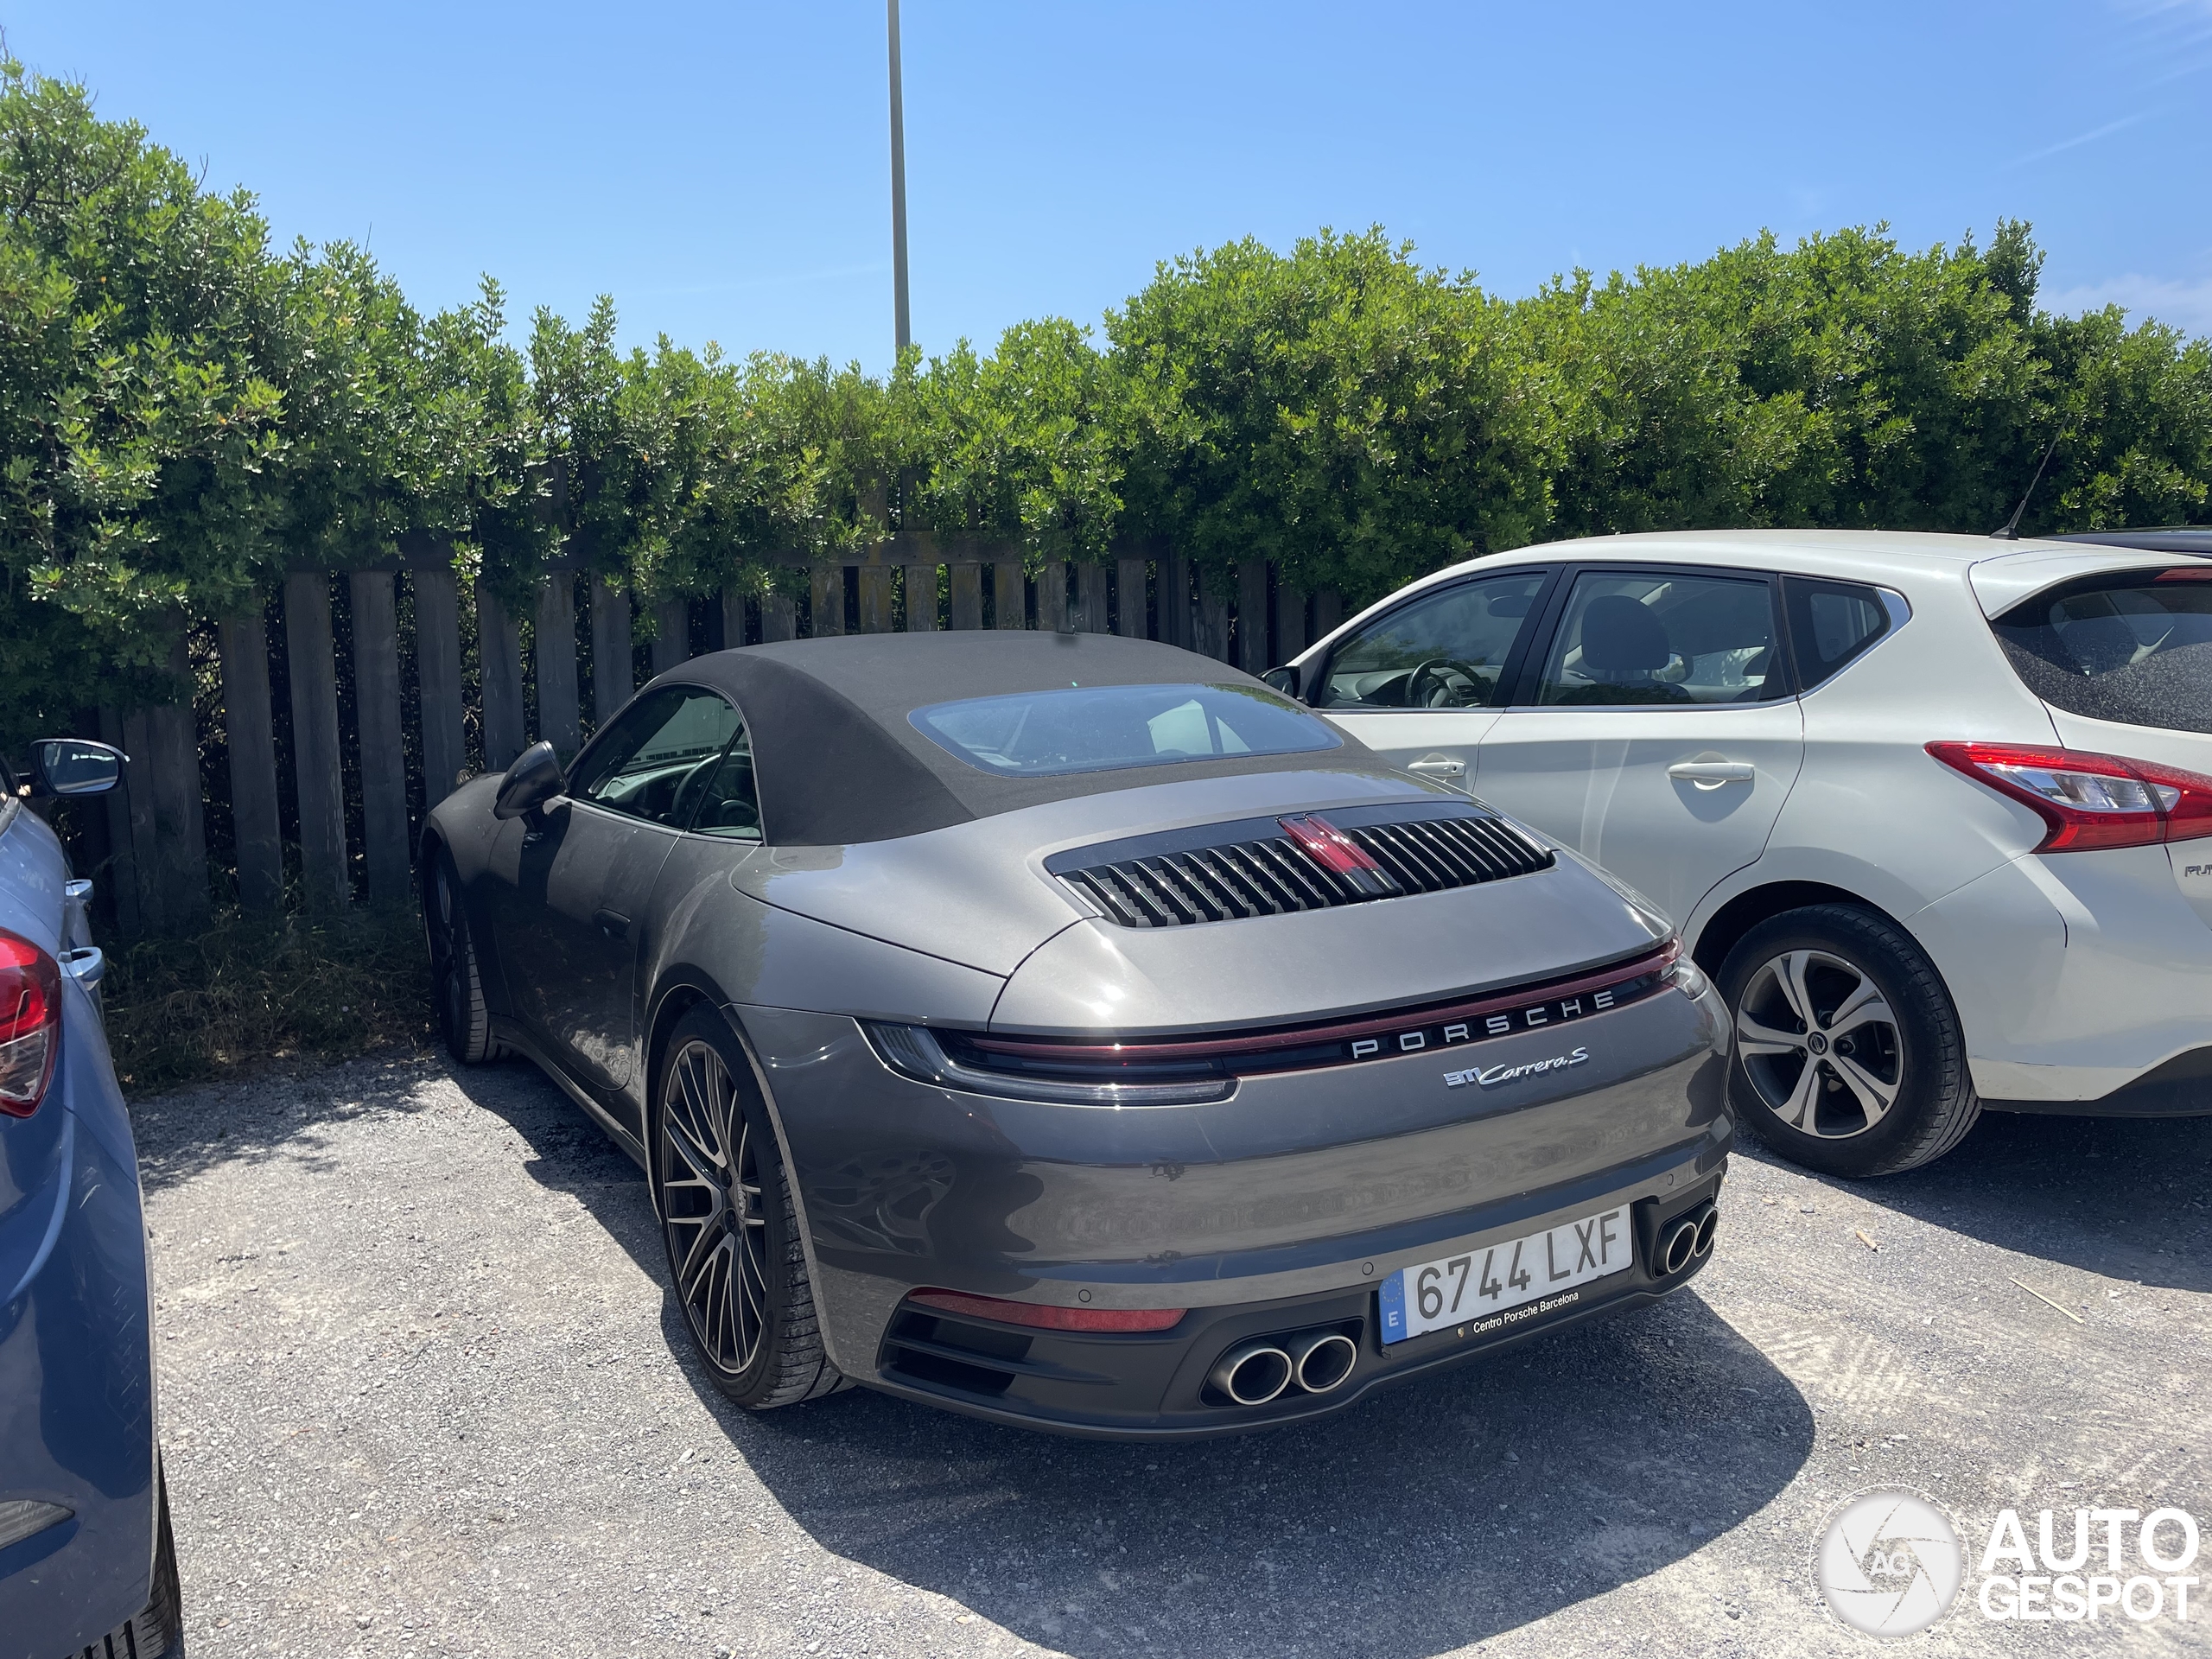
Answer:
x=432 y=683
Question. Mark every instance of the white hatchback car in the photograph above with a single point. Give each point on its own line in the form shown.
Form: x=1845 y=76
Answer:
x=1933 y=810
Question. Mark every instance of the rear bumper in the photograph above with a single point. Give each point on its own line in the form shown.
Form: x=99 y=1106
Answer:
x=1152 y=1388
x=2077 y=975
x=77 y=1408
x=1290 y=1201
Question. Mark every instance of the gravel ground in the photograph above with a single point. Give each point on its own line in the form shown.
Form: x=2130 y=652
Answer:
x=424 y=1393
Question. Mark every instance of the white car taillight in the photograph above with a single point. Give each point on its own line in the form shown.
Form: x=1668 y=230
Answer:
x=30 y=1023
x=2090 y=800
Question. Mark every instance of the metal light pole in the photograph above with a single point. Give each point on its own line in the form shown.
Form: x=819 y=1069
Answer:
x=898 y=190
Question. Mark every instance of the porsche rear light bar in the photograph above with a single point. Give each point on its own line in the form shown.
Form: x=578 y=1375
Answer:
x=2087 y=800
x=30 y=1023
x=1040 y=1317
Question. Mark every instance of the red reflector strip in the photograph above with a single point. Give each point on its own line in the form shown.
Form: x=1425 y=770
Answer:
x=2190 y=575
x=1042 y=1318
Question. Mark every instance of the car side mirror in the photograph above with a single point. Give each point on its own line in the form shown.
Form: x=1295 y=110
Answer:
x=1284 y=680
x=534 y=780
x=74 y=766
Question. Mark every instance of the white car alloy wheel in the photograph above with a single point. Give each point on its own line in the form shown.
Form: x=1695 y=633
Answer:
x=1819 y=1043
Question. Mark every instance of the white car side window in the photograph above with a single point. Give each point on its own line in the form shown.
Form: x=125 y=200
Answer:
x=1445 y=650
x=1662 y=638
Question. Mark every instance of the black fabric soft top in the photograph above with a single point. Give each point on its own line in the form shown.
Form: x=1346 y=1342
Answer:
x=836 y=761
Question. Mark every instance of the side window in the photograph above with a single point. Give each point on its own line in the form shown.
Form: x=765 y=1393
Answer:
x=1830 y=623
x=655 y=758
x=1446 y=649
x=728 y=805
x=1629 y=638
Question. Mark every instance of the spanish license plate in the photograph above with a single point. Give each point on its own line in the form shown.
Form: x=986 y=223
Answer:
x=1503 y=1284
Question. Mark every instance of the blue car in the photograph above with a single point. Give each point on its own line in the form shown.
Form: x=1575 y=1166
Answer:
x=86 y=1564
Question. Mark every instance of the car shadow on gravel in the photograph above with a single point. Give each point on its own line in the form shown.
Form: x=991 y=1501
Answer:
x=1437 y=1514
x=284 y=1108
x=2126 y=1197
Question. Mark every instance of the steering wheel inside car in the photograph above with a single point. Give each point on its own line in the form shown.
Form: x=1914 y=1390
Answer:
x=1457 y=684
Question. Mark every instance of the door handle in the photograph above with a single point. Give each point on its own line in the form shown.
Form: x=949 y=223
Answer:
x=611 y=922
x=1439 y=766
x=1711 y=774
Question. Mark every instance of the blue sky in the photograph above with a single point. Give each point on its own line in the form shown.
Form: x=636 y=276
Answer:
x=721 y=169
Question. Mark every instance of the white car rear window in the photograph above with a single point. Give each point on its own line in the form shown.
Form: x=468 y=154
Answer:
x=2132 y=647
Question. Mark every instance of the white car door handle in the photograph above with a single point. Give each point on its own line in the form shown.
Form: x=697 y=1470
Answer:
x=1711 y=774
x=1439 y=766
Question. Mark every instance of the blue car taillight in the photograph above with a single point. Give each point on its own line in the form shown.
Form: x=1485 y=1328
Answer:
x=30 y=1023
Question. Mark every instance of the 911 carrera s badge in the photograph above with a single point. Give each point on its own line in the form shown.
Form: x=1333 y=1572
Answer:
x=1489 y=1077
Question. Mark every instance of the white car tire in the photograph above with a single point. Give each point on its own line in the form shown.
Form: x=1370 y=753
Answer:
x=1849 y=1057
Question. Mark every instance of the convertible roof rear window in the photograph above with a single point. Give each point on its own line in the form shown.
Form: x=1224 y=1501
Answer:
x=1106 y=728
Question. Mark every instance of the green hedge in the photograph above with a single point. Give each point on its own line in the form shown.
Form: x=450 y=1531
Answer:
x=184 y=410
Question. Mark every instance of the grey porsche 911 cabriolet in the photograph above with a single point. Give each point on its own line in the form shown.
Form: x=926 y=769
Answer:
x=1070 y=1031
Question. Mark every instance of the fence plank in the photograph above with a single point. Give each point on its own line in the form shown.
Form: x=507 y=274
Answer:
x=671 y=635
x=560 y=707
x=437 y=673
x=120 y=878
x=1129 y=608
x=1009 y=595
x=875 y=598
x=921 y=598
x=384 y=754
x=499 y=662
x=966 y=609
x=1252 y=616
x=180 y=810
x=251 y=736
x=1174 y=581
x=1328 y=613
x=1290 y=623
x=829 y=599
x=1053 y=597
x=312 y=661
x=779 y=617
x=732 y=618
x=1209 y=628
x=612 y=680
x=1091 y=598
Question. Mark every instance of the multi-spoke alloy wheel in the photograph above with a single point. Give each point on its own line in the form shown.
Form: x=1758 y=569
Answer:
x=711 y=1207
x=1820 y=1044
x=1849 y=1054
x=734 y=1247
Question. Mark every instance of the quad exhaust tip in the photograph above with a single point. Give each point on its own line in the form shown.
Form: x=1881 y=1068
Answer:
x=1322 y=1359
x=1688 y=1239
x=1261 y=1369
x=1253 y=1373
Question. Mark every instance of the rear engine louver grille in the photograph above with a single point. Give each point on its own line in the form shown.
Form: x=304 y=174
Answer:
x=1269 y=875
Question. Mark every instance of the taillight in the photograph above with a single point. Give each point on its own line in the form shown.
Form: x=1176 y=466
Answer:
x=2090 y=800
x=30 y=1023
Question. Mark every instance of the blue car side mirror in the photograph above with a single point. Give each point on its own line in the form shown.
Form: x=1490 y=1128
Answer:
x=74 y=766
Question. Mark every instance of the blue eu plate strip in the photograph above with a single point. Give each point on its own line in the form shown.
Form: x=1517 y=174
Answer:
x=1394 y=1308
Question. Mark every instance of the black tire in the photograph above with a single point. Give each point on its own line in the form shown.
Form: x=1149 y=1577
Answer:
x=1817 y=1071
x=157 y=1631
x=456 y=974
x=734 y=1257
